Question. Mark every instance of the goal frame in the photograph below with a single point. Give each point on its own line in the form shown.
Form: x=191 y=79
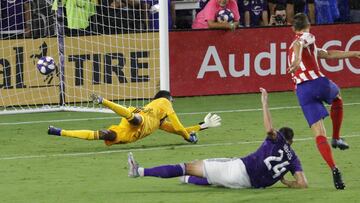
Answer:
x=62 y=104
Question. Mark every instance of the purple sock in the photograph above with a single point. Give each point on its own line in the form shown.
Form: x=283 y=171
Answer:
x=197 y=180
x=165 y=171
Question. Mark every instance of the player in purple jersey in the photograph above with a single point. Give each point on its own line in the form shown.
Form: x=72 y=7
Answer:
x=263 y=168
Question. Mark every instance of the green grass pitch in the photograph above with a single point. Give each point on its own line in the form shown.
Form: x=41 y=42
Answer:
x=36 y=167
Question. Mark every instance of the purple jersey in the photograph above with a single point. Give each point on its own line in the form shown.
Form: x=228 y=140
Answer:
x=255 y=8
x=271 y=162
x=12 y=15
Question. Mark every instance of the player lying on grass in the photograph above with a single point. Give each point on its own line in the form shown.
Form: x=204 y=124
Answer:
x=137 y=123
x=263 y=168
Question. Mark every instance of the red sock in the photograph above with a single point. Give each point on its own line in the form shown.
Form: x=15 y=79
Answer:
x=325 y=151
x=336 y=114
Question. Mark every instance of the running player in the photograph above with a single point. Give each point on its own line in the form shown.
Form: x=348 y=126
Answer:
x=137 y=123
x=313 y=88
x=263 y=168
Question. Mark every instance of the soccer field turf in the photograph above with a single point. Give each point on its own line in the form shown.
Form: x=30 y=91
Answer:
x=36 y=167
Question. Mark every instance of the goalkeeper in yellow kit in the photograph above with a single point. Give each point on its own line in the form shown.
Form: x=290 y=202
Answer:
x=137 y=123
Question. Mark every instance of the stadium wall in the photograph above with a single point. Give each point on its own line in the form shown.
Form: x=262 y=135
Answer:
x=202 y=62
x=210 y=62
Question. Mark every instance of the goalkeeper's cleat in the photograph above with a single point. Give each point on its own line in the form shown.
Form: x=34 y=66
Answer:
x=133 y=166
x=338 y=182
x=96 y=99
x=54 y=131
x=339 y=143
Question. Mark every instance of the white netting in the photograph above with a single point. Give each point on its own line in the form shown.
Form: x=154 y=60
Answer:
x=109 y=47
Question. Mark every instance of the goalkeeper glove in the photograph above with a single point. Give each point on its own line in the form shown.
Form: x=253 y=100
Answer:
x=193 y=138
x=210 y=121
x=96 y=99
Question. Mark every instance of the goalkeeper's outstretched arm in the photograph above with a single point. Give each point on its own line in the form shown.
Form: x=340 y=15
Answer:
x=178 y=127
x=168 y=127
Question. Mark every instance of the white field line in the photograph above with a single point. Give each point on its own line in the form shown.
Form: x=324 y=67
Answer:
x=148 y=149
x=191 y=113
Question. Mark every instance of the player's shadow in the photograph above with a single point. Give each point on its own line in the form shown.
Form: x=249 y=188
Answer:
x=149 y=146
x=211 y=189
x=189 y=188
x=130 y=147
x=168 y=191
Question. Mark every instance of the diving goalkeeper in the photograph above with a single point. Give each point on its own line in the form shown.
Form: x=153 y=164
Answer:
x=137 y=123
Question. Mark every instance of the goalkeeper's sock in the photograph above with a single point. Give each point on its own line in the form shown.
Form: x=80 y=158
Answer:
x=325 y=150
x=165 y=171
x=118 y=109
x=81 y=134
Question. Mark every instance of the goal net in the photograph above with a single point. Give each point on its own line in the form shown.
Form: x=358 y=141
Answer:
x=106 y=47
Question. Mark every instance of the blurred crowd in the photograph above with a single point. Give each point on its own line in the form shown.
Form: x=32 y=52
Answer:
x=37 y=18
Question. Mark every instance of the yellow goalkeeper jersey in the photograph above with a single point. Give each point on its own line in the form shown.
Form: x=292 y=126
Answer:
x=154 y=116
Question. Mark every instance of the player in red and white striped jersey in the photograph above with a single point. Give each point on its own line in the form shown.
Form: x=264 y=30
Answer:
x=308 y=68
x=313 y=89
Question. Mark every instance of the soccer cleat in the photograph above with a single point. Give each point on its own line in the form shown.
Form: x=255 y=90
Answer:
x=54 y=131
x=338 y=182
x=339 y=143
x=133 y=166
x=95 y=98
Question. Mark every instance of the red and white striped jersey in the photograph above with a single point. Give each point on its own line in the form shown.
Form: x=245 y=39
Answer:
x=309 y=67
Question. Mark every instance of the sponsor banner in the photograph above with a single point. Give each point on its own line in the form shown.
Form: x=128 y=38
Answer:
x=117 y=67
x=20 y=81
x=209 y=62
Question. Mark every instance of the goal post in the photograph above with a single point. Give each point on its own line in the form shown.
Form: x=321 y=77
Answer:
x=114 y=52
x=164 y=46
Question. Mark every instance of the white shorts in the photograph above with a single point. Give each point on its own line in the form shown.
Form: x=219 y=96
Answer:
x=227 y=172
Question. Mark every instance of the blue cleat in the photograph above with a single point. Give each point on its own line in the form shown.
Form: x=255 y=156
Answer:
x=340 y=143
x=54 y=131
